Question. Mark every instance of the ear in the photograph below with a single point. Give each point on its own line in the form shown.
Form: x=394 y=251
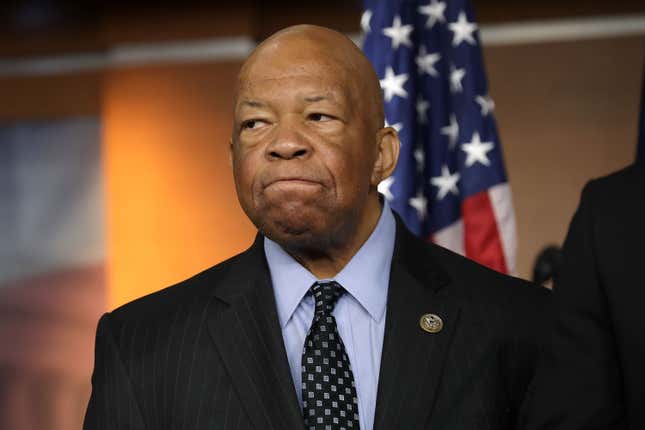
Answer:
x=388 y=146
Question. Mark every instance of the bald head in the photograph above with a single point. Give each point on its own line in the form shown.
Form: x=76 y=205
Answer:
x=293 y=49
x=308 y=145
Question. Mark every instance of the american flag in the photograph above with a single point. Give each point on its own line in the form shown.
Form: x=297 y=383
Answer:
x=450 y=184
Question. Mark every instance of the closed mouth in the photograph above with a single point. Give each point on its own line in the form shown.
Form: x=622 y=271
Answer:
x=298 y=181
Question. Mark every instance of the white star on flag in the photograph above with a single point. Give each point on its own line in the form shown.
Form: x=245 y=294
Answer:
x=384 y=187
x=434 y=11
x=456 y=75
x=400 y=34
x=463 y=30
x=486 y=104
x=452 y=131
x=426 y=62
x=447 y=182
x=422 y=109
x=420 y=203
x=477 y=150
x=366 y=17
x=393 y=84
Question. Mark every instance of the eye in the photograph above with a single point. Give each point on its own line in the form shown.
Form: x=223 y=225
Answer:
x=252 y=124
x=320 y=117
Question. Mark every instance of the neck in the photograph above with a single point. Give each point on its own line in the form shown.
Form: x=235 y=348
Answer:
x=327 y=263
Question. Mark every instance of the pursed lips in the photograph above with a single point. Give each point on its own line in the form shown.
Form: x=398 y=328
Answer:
x=293 y=181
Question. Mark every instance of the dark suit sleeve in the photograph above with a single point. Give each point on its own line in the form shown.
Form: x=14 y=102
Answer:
x=578 y=382
x=112 y=404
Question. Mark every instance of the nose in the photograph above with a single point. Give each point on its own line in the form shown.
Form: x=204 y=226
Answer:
x=288 y=144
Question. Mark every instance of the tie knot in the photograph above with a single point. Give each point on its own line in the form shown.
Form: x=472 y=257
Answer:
x=326 y=294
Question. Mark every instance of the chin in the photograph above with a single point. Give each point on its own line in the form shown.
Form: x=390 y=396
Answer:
x=290 y=241
x=304 y=229
x=298 y=228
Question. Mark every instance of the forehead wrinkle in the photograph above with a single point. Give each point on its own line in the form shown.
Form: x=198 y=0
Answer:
x=310 y=89
x=252 y=103
x=315 y=99
x=291 y=67
x=280 y=60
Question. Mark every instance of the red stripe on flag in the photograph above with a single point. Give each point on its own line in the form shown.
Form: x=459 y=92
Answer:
x=482 y=240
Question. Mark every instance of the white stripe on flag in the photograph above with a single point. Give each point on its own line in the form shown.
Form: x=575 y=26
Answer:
x=500 y=197
x=451 y=237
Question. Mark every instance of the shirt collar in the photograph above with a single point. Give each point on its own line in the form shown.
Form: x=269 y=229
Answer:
x=366 y=276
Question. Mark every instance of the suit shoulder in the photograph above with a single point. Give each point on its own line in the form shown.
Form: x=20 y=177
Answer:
x=513 y=309
x=611 y=204
x=471 y=281
x=486 y=285
x=617 y=184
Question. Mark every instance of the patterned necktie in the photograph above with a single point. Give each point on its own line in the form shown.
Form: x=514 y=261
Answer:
x=328 y=392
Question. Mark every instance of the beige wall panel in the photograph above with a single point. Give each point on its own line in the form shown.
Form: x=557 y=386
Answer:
x=567 y=112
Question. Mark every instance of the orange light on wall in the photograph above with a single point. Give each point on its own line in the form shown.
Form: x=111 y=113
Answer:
x=171 y=204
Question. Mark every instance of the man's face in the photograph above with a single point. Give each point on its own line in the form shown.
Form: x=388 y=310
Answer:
x=302 y=149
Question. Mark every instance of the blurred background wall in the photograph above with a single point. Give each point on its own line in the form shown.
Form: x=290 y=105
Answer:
x=114 y=172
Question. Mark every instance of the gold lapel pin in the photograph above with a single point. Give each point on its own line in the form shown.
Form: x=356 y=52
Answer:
x=431 y=323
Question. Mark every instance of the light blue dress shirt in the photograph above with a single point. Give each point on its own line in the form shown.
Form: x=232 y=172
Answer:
x=360 y=313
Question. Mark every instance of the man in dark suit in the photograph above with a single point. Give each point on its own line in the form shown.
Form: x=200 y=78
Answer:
x=593 y=375
x=336 y=317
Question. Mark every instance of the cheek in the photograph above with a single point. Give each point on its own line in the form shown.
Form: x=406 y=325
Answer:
x=351 y=174
x=245 y=168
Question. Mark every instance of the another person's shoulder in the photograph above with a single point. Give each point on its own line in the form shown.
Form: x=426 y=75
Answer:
x=616 y=200
x=617 y=185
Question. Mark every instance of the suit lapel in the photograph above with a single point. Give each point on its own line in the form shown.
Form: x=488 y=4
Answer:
x=244 y=325
x=247 y=335
x=412 y=359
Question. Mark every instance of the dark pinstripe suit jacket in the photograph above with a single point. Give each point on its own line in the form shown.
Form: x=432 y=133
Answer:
x=208 y=353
